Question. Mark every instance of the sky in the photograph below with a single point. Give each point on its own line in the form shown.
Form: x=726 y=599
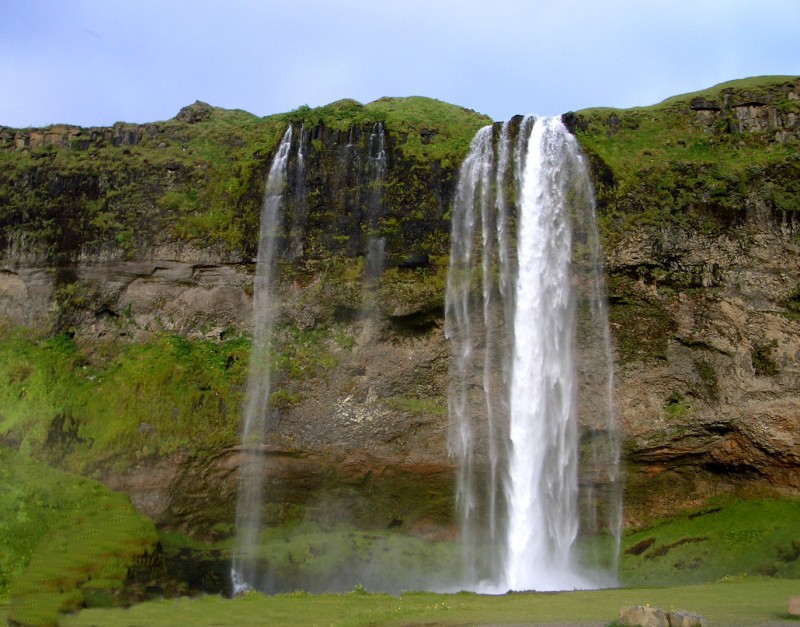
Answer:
x=96 y=62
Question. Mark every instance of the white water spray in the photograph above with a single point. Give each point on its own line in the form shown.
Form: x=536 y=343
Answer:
x=245 y=569
x=515 y=391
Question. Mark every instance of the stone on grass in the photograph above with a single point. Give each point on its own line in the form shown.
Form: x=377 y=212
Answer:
x=794 y=606
x=642 y=616
x=681 y=618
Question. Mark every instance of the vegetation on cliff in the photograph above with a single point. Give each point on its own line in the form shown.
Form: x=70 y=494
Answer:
x=85 y=405
x=694 y=160
x=68 y=191
x=695 y=166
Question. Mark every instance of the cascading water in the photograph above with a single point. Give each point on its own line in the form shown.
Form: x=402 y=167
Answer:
x=376 y=246
x=525 y=315
x=245 y=569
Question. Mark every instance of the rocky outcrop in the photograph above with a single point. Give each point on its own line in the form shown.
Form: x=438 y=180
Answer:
x=703 y=301
x=646 y=616
x=710 y=402
x=193 y=297
x=750 y=110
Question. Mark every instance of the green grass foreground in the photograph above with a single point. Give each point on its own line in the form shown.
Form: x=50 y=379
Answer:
x=740 y=602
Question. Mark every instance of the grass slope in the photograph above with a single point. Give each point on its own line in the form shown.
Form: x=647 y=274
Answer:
x=65 y=541
x=82 y=404
x=725 y=538
x=672 y=165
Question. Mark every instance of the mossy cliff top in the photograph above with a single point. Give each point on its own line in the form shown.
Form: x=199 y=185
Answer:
x=693 y=159
x=68 y=192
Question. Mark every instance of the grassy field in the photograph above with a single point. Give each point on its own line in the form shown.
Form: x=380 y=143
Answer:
x=740 y=602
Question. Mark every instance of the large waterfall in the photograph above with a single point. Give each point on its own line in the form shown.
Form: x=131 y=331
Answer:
x=245 y=572
x=532 y=420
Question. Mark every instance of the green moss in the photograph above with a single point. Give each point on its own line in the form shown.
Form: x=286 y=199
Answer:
x=61 y=534
x=763 y=362
x=641 y=324
x=727 y=537
x=676 y=406
x=708 y=377
x=83 y=404
x=435 y=405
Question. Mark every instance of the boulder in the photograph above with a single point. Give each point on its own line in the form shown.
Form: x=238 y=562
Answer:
x=681 y=618
x=646 y=616
x=642 y=616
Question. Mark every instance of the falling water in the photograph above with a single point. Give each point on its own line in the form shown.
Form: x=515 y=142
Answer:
x=245 y=570
x=524 y=270
x=376 y=246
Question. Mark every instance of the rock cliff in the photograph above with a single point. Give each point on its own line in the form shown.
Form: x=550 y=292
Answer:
x=126 y=274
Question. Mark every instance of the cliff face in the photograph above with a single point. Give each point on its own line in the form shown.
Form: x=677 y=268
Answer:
x=113 y=238
x=699 y=205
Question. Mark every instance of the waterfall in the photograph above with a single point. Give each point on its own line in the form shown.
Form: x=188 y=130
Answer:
x=375 y=252
x=245 y=569
x=526 y=317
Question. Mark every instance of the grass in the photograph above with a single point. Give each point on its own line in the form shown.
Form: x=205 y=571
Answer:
x=84 y=404
x=741 y=602
x=753 y=84
x=64 y=540
x=664 y=165
x=449 y=129
x=725 y=538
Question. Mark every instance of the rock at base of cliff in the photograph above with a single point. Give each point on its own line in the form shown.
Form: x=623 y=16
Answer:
x=646 y=616
x=643 y=616
x=680 y=618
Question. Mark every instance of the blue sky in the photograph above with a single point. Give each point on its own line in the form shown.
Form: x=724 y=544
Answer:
x=94 y=62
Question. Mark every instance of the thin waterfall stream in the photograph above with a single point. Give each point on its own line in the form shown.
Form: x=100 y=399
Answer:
x=245 y=568
x=374 y=255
